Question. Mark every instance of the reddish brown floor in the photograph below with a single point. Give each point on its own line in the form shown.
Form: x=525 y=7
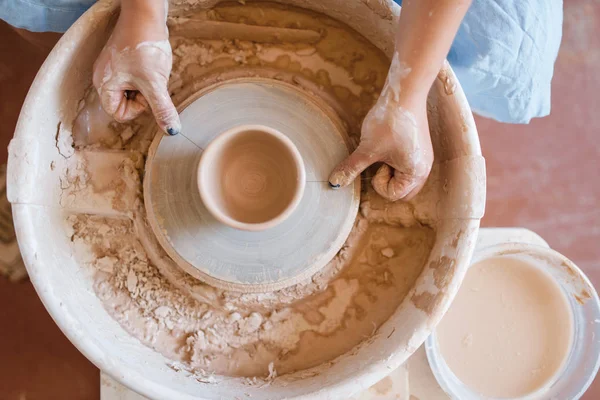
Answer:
x=544 y=176
x=37 y=362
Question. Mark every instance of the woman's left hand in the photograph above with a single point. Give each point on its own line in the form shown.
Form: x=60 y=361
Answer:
x=396 y=133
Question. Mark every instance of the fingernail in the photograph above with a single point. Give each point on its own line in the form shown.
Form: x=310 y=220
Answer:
x=172 y=131
x=334 y=181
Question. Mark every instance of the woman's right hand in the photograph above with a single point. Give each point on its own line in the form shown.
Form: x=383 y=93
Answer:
x=132 y=72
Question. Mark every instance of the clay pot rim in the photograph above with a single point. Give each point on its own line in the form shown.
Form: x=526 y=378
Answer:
x=296 y=158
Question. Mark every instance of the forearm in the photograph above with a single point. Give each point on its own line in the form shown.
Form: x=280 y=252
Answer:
x=425 y=33
x=149 y=17
x=152 y=9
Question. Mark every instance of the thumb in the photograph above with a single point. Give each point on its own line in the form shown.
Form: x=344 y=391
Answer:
x=164 y=111
x=347 y=171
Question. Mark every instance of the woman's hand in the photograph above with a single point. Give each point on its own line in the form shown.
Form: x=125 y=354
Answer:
x=396 y=133
x=132 y=71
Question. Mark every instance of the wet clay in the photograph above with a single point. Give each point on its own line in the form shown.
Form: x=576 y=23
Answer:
x=252 y=177
x=217 y=333
x=239 y=334
x=509 y=330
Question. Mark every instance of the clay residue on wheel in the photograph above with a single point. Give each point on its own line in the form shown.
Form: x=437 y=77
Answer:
x=215 y=333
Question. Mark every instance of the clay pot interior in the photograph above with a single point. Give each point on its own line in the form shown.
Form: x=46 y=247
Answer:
x=251 y=177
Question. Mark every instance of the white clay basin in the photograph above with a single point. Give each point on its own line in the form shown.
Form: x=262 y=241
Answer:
x=55 y=177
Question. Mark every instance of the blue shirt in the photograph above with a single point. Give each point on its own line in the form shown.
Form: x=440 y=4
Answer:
x=43 y=15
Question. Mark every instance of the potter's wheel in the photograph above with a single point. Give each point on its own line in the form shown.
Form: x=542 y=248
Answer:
x=250 y=261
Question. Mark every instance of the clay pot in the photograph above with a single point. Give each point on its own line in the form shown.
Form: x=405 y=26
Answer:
x=251 y=177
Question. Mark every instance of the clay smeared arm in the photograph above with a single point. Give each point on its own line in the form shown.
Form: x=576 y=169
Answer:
x=396 y=131
x=132 y=72
x=425 y=33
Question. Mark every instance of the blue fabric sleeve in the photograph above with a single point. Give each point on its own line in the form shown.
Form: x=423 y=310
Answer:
x=43 y=15
x=504 y=55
